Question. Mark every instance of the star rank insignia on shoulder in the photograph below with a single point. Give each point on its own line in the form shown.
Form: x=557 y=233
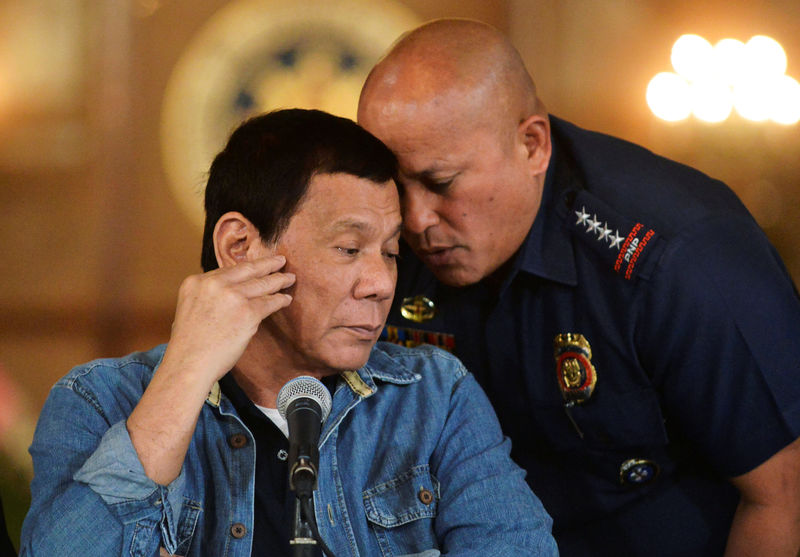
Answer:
x=625 y=244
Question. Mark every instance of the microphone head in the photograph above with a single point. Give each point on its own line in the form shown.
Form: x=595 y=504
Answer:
x=304 y=387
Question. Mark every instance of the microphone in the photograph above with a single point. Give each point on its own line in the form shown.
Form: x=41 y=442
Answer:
x=304 y=402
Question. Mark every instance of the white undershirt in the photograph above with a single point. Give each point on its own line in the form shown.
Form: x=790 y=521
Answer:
x=277 y=419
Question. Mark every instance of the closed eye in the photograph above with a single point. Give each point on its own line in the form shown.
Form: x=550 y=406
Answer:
x=438 y=187
x=437 y=184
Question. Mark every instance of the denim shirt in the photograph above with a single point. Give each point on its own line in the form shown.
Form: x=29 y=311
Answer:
x=412 y=462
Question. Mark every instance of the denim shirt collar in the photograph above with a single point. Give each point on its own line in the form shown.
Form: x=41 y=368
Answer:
x=383 y=367
x=361 y=384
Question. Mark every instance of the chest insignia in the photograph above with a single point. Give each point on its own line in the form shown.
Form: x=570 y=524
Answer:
x=418 y=309
x=577 y=376
x=406 y=336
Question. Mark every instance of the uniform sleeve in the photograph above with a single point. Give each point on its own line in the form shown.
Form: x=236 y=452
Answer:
x=720 y=336
x=486 y=507
x=90 y=495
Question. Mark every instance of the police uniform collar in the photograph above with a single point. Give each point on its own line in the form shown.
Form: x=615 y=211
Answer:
x=547 y=252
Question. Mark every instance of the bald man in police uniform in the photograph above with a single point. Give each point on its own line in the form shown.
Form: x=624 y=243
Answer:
x=635 y=330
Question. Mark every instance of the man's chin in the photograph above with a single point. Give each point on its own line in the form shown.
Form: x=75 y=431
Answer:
x=456 y=275
x=350 y=360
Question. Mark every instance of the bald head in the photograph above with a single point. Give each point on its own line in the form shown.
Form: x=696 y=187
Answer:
x=454 y=65
x=454 y=102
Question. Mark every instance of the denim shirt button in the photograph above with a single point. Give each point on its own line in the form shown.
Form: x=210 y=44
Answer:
x=425 y=496
x=238 y=530
x=237 y=440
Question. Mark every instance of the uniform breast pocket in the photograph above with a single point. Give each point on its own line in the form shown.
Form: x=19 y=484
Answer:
x=608 y=420
x=628 y=419
x=401 y=512
x=613 y=442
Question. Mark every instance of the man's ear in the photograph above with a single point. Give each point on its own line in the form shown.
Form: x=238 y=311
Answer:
x=235 y=239
x=534 y=132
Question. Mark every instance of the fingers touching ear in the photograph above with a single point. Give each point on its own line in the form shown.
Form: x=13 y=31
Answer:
x=235 y=239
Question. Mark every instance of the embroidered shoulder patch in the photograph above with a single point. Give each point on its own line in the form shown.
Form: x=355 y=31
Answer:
x=623 y=243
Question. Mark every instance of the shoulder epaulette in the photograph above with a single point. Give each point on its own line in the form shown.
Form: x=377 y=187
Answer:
x=627 y=245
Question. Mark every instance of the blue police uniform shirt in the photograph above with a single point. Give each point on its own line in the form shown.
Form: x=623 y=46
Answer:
x=690 y=326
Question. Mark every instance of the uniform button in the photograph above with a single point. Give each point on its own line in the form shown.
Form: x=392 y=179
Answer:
x=425 y=496
x=637 y=471
x=282 y=455
x=238 y=530
x=237 y=440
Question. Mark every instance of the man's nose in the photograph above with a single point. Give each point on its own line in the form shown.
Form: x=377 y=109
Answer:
x=377 y=280
x=419 y=209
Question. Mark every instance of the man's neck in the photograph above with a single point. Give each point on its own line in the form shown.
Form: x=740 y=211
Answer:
x=264 y=368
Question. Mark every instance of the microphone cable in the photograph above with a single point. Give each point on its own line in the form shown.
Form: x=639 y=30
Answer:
x=308 y=510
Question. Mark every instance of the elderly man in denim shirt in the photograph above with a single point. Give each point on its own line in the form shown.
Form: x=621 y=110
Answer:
x=151 y=454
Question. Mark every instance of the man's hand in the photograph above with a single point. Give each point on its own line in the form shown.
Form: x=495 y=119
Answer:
x=217 y=314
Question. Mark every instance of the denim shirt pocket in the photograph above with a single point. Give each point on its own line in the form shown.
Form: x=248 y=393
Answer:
x=401 y=511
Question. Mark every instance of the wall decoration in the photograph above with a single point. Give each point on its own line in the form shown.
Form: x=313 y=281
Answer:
x=257 y=55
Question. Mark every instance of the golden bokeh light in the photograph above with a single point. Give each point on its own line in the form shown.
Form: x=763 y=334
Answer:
x=764 y=57
x=669 y=97
x=709 y=82
x=692 y=57
x=786 y=97
x=727 y=60
x=711 y=100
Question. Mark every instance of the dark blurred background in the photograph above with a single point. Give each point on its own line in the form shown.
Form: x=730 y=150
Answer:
x=111 y=109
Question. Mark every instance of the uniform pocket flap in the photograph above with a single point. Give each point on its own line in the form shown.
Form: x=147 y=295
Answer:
x=407 y=497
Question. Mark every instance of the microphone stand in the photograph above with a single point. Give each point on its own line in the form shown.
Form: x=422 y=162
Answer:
x=304 y=403
x=303 y=543
x=303 y=480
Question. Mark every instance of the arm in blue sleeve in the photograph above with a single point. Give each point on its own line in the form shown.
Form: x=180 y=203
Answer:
x=486 y=507
x=719 y=336
x=90 y=495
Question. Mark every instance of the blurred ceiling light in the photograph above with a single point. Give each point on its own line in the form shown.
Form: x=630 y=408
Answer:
x=711 y=99
x=692 y=57
x=710 y=81
x=786 y=105
x=764 y=56
x=669 y=97
x=727 y=60
x=751 y=99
